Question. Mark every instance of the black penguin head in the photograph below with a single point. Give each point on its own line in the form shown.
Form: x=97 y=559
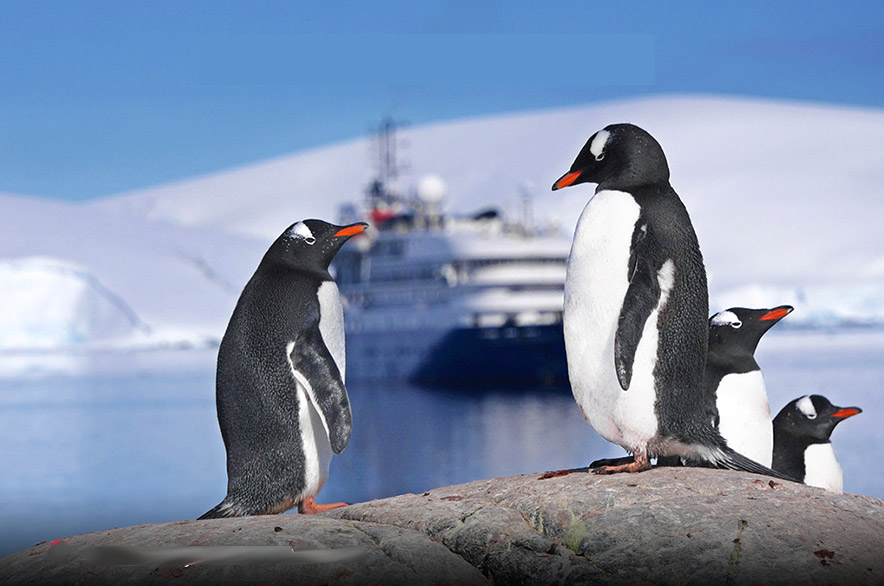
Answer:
x=310 y=244
x=811 y=418
x=620 y=156
x=737 y=331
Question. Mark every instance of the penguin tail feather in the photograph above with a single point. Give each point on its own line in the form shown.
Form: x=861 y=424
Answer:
x=733 y=460
x=220 y=511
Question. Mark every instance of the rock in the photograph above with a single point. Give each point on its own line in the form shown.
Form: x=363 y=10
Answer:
x=383 y=555
x=664 y=526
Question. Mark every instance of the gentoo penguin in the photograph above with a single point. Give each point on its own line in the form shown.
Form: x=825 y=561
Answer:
x=636 y=308
x=801 y=441
x=282 y=404
x=734 y=379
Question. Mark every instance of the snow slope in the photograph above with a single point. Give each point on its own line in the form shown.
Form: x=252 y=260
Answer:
x=780 y=193
x=72 y=276
x=784 y=197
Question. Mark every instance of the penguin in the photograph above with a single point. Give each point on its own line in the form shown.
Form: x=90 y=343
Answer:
x=734 y=379
x=281 y=401
x=802 y=448
x=636 y=309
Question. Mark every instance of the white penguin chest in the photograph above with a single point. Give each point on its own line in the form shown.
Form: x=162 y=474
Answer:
x=821 y=467
x=595 y=286
x=331 y=323
x=744 y=415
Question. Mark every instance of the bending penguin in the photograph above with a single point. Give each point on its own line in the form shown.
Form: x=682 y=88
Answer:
x=636 y=309
x=802 y=448
x=282 y=405
x=734 y=379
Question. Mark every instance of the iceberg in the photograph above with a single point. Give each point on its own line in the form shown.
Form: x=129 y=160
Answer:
x=48 y=303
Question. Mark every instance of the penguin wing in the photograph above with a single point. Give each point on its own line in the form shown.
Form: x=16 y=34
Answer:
x=641 y=298
x=313 y=366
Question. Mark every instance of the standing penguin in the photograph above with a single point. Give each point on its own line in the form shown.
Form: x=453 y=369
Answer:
x=802 y=448
x=734 y=379
x=282 y=404
x=636 y=307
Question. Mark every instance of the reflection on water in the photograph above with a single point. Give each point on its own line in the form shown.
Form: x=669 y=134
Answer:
x=411 y=440
x=93 y=451
x=85 y=453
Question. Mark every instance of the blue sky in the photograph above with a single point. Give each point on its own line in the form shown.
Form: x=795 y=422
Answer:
x=101 y=97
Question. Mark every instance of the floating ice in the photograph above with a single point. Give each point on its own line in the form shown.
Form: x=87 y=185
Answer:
x=47 y=303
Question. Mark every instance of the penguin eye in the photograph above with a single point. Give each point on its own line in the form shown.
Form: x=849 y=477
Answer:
x=600 y=156
x=810 y=415
x=310 y=240
x=736 y=324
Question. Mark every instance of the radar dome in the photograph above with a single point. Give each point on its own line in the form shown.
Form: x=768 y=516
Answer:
x=431 y=189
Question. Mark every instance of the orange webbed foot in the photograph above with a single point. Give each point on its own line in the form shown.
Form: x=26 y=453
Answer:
x=308 y=506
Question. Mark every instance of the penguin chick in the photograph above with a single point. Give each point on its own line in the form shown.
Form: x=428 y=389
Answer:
x=636 y=308
x=802 y=448
x=282 y=405
x=734 y=379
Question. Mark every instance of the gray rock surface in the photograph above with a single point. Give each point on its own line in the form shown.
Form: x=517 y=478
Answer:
x=664 y=526
x=380 y=555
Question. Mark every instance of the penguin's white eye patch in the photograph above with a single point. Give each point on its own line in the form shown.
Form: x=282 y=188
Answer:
x=805 y=405
x=726 y=318
x=597 y=146
x=302 y=232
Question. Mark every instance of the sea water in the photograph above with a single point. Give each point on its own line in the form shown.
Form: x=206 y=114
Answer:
x=132 y=438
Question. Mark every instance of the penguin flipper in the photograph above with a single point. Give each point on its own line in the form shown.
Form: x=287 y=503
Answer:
x=641 y=298
x=324 y=386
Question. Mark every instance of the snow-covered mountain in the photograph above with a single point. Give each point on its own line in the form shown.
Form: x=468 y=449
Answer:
x=784 y=197
x=752 y=173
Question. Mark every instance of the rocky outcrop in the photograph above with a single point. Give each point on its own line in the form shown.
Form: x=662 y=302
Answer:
x=381 y=555
x=664 y=526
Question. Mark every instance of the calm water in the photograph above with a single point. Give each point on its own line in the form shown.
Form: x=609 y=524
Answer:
x=94 y=450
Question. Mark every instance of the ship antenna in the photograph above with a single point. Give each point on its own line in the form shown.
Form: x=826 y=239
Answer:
x=384 y=188
x=389 y=170
x=527 y=207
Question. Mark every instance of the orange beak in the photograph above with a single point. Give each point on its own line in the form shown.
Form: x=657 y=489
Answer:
x=566 y=180
x=351 y=230
x=847 y=412
x=778 y=313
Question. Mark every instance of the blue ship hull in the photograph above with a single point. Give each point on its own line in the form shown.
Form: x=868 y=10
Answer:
x=469 y=358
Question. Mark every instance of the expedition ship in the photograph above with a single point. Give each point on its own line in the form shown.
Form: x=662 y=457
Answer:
x=451 y=301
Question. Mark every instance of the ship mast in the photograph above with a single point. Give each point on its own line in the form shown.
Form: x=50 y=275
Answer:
x=388 y=167
x=384 y=199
